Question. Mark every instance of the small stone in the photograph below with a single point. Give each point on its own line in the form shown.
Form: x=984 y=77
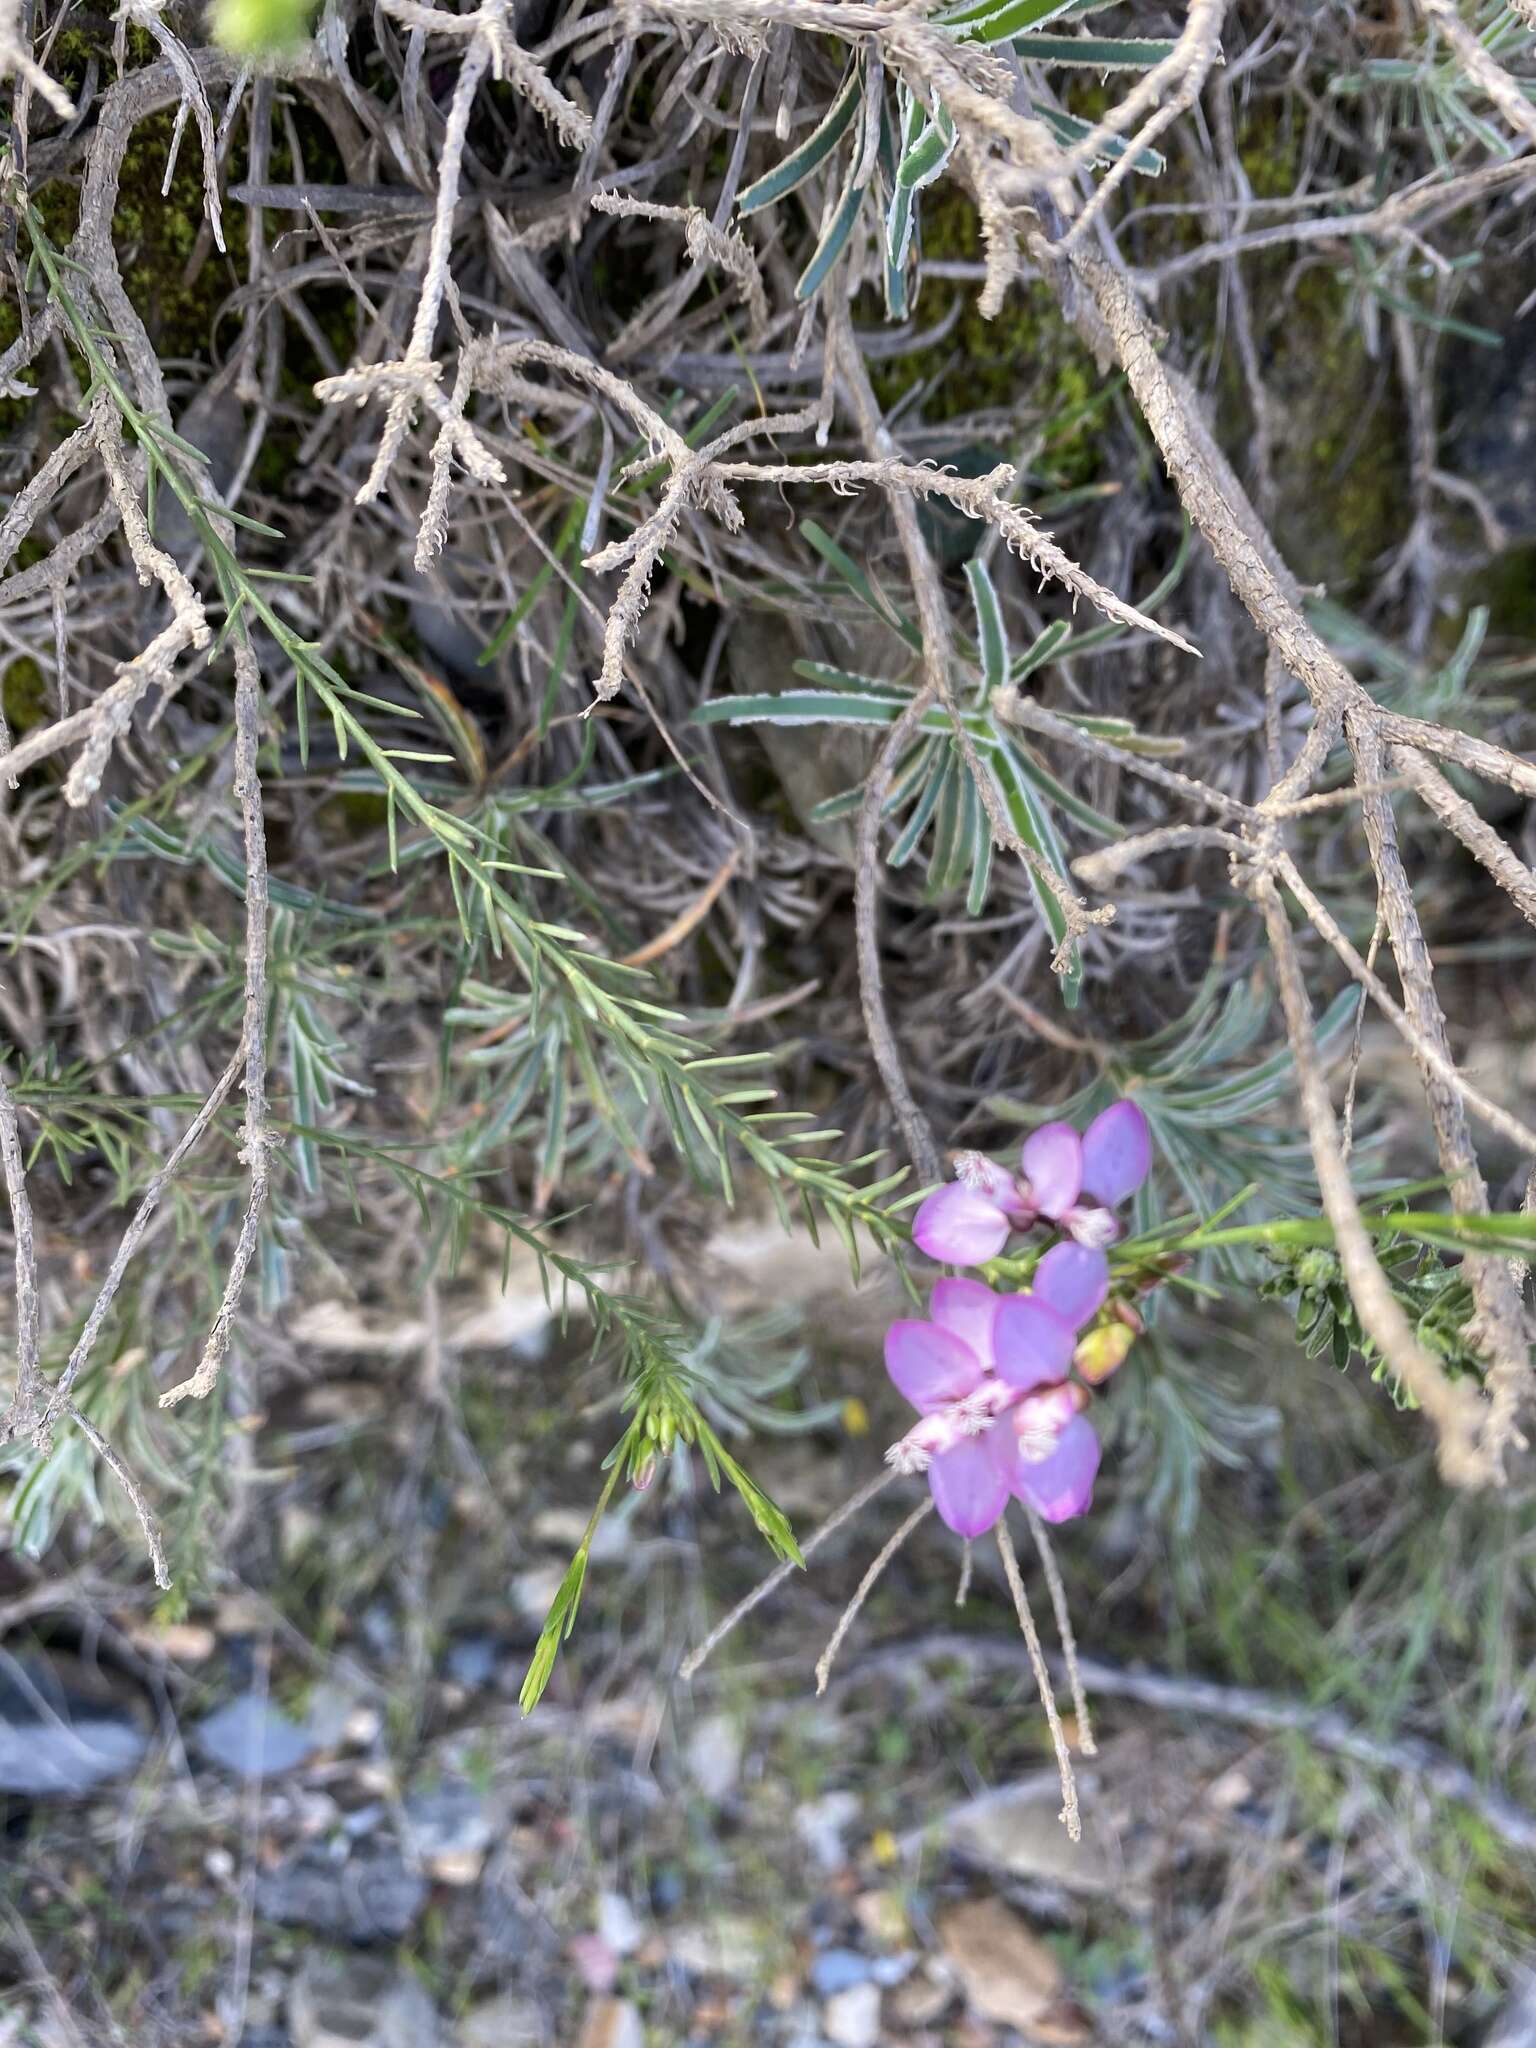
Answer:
x=1017 y=1830
x=883 y=1917
x=1232 y=1789
x=618 y=1923
x=565 y=1528
x=534 y=1590
x=613 y=2023
x=852 y=2018
x=362 y=1727
x=357 y=2002
x=1006 y=1971
x=184 y=1642
x=471 y=1661
x=372 y=1895
x=505 y=2022
x=714 y=1755
x=924 y=1998
x=836 y=1969
x=252 y=1737
x=889 y=1970
x=63 y=1728
x=448 y=1825
x=729 y=1946
x=822 y=1823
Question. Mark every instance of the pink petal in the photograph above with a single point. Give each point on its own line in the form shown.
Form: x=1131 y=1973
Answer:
x=929 y=1365
x=966 y=1308
x=1031 y=1344
x=1117 y=1153
x=1061 y=1485
x=1074 y=1280
x=1053 y=1166
x=960 y=1226
x=971 y=1483
x=1041 y=1417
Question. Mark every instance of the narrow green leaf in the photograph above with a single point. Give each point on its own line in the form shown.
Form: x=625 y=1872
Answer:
x=799 y=707
x=1097 y=53
x=835 y=236
x=1068 y=129
x=794 y=169
x=817 y=537
x=991 y=632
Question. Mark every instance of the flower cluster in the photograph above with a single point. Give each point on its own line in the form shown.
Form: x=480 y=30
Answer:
x=1071 y=1181
x=991 y=1374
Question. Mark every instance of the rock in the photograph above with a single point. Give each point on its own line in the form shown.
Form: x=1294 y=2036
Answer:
x=613 y=2023
x=449 y=1827
x=836 y=1969
x=182 y=1642
x=373 y=1895
x=1005 y=1970
x=504 y=2022
x=255 y=1739
x=64 y=1728
x=356 y=2002
x=924 y=1998
x=822 y=1823
x=618 y=1923
x=533 y=1590
x=471 y=1661
x=883 y=1917
x=852 y=2018
x=714 y=1755
x=1016 y=1830
x=508 y=1938
x=728 y=1946
x=564 y=1528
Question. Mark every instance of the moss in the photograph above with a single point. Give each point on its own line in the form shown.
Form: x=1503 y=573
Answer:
x=1025 y=361
x=156 y=236
x=24 y=695
x=1269 y=148
x=354 y=814
x=1507 y=586
x=1340 y=458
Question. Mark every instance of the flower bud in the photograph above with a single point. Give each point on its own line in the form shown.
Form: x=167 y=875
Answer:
x=643 y=1474
x=1102 y=1352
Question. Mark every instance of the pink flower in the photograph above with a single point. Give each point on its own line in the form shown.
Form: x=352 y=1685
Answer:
x=988 y=1376
x=1056 y=1480
x=1073 y=1182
